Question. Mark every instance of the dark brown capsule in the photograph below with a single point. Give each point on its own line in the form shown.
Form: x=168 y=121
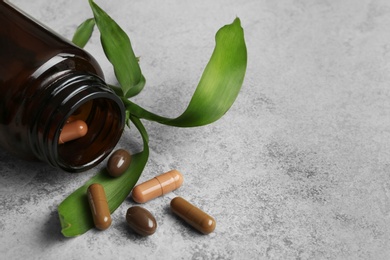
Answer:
x=141 y=221
x=118 y=162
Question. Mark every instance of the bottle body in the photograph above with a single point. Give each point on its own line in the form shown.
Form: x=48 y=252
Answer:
x=44 y=81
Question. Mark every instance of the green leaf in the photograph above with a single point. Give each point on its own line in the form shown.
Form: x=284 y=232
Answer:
x=117 y=47
x=74 y=212
x=84 y=32
x=219 y=85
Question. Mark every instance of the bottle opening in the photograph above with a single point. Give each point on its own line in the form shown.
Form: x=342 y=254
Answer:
x=79 y=123
x=89 y=133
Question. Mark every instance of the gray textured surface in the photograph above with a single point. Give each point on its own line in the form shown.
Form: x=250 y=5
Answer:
x=297 y=169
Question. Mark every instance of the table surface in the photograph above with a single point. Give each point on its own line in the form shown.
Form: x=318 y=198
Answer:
x=299 y=168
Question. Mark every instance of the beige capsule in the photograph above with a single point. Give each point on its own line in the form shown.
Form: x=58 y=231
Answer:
x=157 y=186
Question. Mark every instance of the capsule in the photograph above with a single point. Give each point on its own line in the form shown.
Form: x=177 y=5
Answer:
x=99 y=206
x=194 y=216
x=118 y=162
x=141 y=221
x=157 y=186
x=73 y=131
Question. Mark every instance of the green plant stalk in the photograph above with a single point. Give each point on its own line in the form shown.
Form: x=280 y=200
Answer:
x=218 y=88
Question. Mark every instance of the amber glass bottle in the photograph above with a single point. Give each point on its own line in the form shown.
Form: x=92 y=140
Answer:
x=44 y=81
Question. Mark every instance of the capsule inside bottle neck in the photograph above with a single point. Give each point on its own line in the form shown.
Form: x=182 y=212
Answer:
x=86 y=102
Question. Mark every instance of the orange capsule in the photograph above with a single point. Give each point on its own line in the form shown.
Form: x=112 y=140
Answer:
x=194 y=216
x=73 y=131
x=157 y=186
x=99 y=206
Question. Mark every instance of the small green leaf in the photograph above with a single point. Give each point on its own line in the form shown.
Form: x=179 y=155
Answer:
x=117 y=47
x=74 y=212
x=219 y=85
x=84 y=32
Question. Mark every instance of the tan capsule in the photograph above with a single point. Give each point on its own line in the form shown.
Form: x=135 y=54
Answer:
x=99 y=206
x=157 y=186
x=194 y=216
x=73 y=131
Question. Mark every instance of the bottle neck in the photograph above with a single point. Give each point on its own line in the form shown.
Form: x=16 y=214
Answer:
x=101 y=110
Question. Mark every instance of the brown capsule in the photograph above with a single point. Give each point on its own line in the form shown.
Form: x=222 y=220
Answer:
x=157 y=186
x=141 y=221
x=193 y=215
x=99 y=206
x=73 y=131
x=118 y=162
